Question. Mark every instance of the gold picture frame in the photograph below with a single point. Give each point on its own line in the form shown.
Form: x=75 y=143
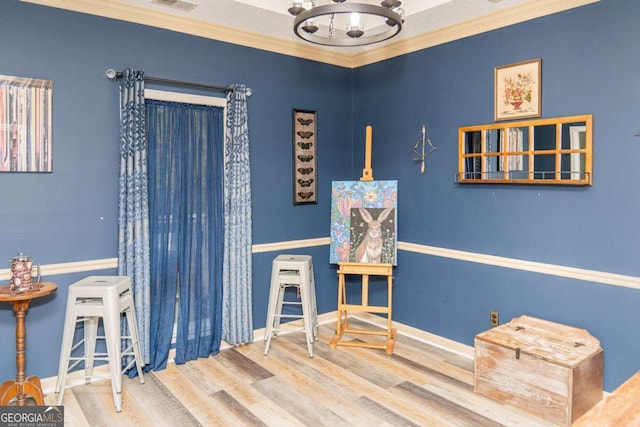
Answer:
x=518 y=90
x=305 y=174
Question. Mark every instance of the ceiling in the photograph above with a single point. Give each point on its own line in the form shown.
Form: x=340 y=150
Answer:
x=271 y=17
x=266 y=24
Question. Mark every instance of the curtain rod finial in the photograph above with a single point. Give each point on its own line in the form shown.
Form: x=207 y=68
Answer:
x=113 y=74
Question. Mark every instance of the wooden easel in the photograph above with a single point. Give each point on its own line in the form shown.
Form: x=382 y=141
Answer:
x=367 y=172
x=364 y=270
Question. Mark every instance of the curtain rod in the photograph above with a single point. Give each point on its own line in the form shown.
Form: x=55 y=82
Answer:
x=112 y=74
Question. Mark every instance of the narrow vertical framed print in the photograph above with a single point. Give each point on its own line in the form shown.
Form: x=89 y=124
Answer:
x=305 y=174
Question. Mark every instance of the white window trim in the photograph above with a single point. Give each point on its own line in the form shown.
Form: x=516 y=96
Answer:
x=187 y=98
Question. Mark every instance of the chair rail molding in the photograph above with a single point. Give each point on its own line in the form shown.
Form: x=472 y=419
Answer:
x=68 y=267
x=533 y=266
x=602 y=277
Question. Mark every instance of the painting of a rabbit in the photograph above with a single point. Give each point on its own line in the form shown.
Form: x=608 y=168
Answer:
x=364 y=222
x=372 y=235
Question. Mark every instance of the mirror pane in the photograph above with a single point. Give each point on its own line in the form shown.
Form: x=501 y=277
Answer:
x=574 y=136
x=493 y=168
x=518 y=163
x=492 y=141
x=473 y=142
x=544 y=137
x=544 y=166
x=518 y=167
x=573 y=166
x=472 y=167
x=517 y=139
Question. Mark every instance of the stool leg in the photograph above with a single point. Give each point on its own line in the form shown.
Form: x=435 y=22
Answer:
x=65 y=350
x=273 y=297
x=273 y=293
x=275 y=312
x=314 y=308
x=132 y=327
x=305 y=297
x=112 y=337
x=90 y=336
x=282 y=288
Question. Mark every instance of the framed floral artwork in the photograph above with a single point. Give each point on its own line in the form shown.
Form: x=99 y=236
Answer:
x=518 y=90
x=364 y=226
x=305 y=174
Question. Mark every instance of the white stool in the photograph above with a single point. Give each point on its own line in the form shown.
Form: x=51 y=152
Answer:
x=90 y=299
x=292 y=271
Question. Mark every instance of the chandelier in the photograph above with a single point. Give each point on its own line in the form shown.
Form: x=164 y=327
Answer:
x=346 y=24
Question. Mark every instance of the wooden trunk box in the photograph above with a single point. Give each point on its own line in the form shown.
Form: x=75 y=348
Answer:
x=550 y=370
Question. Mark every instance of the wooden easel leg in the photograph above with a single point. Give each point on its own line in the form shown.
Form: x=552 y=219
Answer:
x=339 y=326
x=391 y=336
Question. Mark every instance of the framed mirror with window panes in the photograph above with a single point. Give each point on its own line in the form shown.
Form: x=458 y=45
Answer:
x=544 y=151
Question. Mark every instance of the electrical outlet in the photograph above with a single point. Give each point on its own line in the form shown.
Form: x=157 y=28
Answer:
x=494 y=318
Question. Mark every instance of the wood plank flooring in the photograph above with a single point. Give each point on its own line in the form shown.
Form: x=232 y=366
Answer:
x=419 y=385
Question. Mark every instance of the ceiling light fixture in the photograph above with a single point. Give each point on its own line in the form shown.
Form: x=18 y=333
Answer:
x=343 y=24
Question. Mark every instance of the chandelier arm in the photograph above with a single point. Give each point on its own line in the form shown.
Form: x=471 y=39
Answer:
x=346 y=8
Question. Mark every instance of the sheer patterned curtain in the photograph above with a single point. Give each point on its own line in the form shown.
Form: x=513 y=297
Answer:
x=133 y=207
x=186 y=198
x=237 y=323
x=188 y=272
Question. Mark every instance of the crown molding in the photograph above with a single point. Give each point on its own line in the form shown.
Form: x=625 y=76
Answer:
x=159 y=19
x=472 y=27
x=146 y=16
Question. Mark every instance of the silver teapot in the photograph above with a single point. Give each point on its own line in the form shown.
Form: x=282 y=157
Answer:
x=22 y=272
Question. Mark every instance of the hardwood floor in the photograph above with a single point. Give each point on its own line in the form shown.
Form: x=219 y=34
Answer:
x=419 y=385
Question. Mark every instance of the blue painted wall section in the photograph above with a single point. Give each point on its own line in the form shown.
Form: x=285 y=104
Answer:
x=71 y=214
x=589 y=65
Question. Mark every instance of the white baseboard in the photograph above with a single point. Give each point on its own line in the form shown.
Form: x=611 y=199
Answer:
x=381 y=322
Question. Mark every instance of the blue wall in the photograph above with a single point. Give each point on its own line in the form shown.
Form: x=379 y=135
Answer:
x=71 y=214
x=589 y=65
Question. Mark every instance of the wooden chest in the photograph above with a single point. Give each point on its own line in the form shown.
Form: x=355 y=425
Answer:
x=551 y=370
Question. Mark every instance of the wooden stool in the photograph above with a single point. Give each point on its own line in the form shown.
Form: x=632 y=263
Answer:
x=292 y=271
x=90 y=299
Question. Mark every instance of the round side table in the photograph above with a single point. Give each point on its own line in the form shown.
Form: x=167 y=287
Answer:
x=23 y=386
